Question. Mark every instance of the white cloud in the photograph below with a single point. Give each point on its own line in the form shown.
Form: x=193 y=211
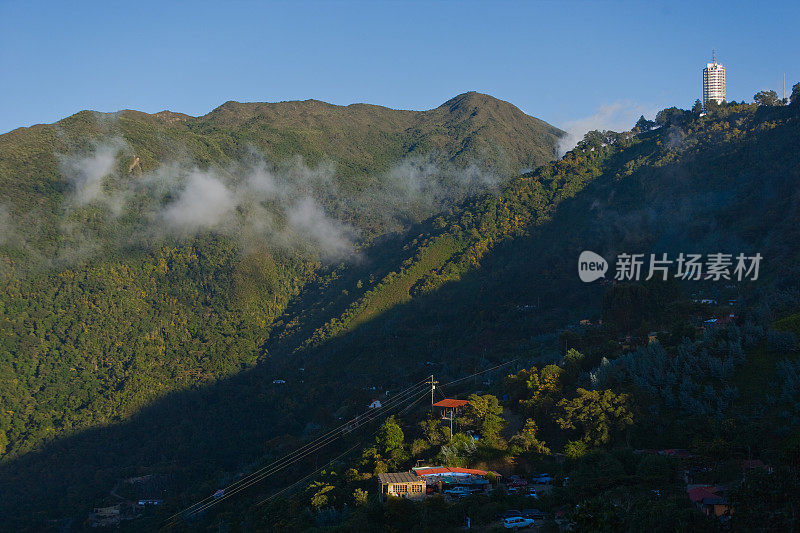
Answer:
x=88 y=172
x=204 y=203
x=619 y=116
x=307 y=219
x=288 y=205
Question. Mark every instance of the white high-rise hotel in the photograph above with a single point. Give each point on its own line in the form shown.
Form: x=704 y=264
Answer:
x=713 y=82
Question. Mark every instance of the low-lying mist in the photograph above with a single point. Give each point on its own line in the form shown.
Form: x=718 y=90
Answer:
x=289 y=206
x=618 y=116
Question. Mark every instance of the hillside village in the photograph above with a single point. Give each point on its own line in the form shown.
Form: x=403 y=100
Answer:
x=489 y=460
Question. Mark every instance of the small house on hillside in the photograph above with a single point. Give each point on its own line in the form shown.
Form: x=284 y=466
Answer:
x=401 y=485
x=709 y=500
x=451 y=408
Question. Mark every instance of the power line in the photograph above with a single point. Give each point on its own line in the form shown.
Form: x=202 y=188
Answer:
x=287 y=461
x=304 y=451
x=332 y=460
x=481 y=372
x=305 y=478
x=261 y=477
x=323 y=441
x=301 y=452
x=409 y=406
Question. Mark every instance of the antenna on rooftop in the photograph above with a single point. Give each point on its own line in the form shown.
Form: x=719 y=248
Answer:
x=713 y=56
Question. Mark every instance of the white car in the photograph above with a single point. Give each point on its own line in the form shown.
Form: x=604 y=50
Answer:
x=517 y=522
x=458 y=491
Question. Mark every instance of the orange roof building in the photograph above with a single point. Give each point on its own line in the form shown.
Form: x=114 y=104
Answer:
x=446 y=470
x=450 y=403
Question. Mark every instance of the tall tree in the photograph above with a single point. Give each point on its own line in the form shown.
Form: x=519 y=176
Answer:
x=528 y=440
x=598 y=414
x=644 y=125
x=767 y=98
x=390 y=436
x=795 y=97
x=483 y=414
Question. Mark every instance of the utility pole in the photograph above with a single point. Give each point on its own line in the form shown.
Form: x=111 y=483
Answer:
x=451 y=423
x=433 y=388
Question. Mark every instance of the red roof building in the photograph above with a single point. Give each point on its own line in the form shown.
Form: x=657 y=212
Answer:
x=446 y=470
x=450 y=403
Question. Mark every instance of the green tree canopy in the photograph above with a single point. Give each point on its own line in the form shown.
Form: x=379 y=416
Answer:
x=767 y=501
x=767 y=98
x=670 y=116
x=597 y=414
x=527 y=440
x=644 y=125
x=573 y=360
x=795 y=97
x=458 y=451
x=483 y=414
x=390 y=436
x=534 y=383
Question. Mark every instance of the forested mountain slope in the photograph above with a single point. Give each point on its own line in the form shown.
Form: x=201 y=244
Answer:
x=722 y=182
x=496 y=280
x=145 y=253
x=478 y=283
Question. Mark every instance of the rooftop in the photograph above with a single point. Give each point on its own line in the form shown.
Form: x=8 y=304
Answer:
x=398 y=477
x=444 y=470
x=448 y=402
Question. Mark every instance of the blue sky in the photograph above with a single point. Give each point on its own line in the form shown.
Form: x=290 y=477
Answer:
x=560 y=61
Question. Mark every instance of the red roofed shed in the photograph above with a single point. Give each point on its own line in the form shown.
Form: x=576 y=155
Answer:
x=451 y=406
x=450 y=403
x=438 y=470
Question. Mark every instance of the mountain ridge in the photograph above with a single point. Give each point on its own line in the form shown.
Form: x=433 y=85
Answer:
x=456 y=296
x=362 y=140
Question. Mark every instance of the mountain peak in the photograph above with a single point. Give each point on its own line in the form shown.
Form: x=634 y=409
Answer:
x=471 y=98
x=474 y=100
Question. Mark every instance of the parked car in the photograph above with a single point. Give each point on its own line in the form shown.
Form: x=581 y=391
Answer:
x=517 y=522
x=542 y=479
x=457 y=491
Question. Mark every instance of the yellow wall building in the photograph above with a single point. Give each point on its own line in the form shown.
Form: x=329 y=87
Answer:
x=402 y=485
